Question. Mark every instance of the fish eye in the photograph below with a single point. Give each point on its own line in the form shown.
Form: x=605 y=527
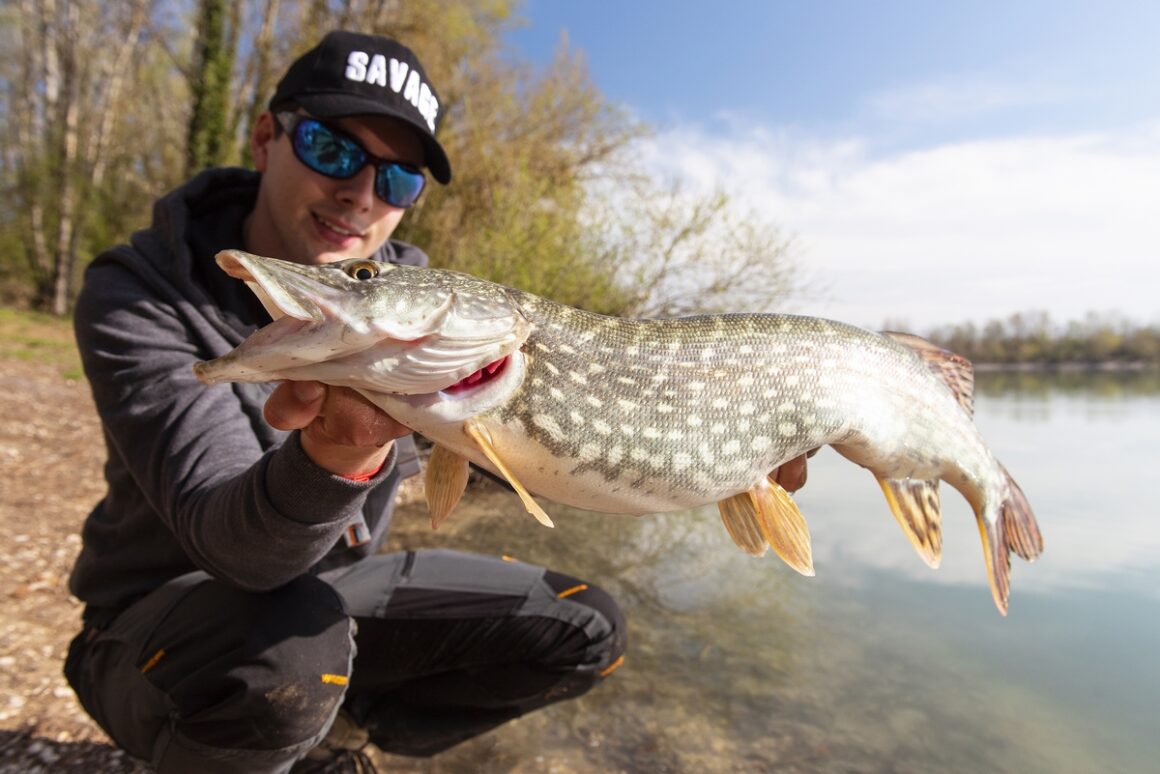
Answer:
x=363 y=270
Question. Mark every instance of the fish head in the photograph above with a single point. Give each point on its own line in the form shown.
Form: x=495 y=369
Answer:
x=374 y=326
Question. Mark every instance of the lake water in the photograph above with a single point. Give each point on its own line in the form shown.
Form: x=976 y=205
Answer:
x=878 y=664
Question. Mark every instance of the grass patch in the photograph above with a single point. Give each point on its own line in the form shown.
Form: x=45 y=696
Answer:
x=39 y=338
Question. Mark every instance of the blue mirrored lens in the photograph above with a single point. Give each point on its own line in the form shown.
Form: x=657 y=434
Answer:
x=325 y=152
x=397 y=185
x=329 y=153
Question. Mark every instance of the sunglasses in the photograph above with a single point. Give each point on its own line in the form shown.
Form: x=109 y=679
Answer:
x=331 y=153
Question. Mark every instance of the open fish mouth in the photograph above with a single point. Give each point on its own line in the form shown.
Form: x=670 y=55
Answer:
x=479 y=378
x=283 y=289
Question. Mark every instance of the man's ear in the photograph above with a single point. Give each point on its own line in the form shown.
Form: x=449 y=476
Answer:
x=260 y=137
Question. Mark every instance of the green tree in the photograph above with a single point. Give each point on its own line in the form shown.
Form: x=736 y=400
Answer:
x=210 y=140
x=1029 y=337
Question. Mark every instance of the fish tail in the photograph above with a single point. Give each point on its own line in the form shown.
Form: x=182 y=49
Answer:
x=1020 y=530
x=1013 y=529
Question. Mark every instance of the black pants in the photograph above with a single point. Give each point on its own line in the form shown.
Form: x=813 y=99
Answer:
x=426 y=649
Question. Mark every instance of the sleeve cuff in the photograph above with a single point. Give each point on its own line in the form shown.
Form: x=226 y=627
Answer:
x=305 y=492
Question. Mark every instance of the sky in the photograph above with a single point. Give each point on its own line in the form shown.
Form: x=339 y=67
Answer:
x=934 y=162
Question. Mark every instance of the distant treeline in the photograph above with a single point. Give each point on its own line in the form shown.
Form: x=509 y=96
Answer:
x=1032 y=338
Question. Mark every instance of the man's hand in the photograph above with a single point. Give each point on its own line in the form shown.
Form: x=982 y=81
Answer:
x=342 y=431
x=792 y=475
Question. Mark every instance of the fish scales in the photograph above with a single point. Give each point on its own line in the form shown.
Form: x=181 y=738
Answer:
x=676 y=410
x=638 y=416
x=698 y=407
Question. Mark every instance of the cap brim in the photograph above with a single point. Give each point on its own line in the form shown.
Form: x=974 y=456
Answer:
x=343 y=105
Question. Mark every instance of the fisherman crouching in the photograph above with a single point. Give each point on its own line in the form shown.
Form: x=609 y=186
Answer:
x=239 y=616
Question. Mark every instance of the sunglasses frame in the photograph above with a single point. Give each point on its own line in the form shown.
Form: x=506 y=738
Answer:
x=292 y=122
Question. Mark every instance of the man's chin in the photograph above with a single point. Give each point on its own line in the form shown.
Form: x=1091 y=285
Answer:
x=330 y=256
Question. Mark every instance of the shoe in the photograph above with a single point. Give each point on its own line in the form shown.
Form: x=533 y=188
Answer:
x=340 y=752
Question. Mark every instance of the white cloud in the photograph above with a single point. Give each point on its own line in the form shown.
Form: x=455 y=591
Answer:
x=957 y=98
x=969 y=230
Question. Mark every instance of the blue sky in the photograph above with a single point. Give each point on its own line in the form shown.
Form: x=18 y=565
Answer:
x=935 y=161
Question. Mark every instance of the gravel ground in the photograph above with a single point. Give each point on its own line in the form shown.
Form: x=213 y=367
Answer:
x=51 y=453
x=50 y=475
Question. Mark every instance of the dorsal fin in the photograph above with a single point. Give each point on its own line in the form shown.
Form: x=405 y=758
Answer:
x=954 y=370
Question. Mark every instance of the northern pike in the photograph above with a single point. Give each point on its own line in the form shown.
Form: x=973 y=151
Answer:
x=636 y=416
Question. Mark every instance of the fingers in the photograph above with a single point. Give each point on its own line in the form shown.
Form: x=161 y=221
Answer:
x=792 y=475
x=342 y=431
x=338 y=415
x=348 y=419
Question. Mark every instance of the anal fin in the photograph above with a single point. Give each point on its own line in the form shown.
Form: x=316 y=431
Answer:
x=445 y=483
x=915 y=505
x=482 y=438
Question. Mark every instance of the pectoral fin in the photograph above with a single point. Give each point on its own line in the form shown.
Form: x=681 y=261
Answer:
x=768 y=510
x=482 y=438
x=915 y=505
x=446 y=480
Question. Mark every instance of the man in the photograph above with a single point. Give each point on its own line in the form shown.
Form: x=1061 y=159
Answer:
x=237 y=607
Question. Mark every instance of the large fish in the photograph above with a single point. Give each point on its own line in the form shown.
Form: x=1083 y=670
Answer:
x=636 y=416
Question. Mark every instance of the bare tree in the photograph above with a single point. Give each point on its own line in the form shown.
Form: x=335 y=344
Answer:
x=71 y=77
x=37 y=66
x=101 y=97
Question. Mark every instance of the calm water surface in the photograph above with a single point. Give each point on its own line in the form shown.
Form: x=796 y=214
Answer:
x=879 y=664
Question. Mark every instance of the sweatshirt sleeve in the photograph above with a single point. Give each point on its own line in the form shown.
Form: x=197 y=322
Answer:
x=244 y=501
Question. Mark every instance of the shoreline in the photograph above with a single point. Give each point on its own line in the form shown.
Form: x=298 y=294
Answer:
x=1070 y=367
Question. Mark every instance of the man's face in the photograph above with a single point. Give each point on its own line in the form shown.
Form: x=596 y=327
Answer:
x=303 y=216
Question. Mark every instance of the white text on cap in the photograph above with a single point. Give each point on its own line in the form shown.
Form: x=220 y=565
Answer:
x=364 y=68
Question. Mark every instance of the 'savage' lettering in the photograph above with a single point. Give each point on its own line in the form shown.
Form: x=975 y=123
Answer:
x=398 y=77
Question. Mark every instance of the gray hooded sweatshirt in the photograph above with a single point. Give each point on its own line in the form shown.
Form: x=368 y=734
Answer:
x=196 y=478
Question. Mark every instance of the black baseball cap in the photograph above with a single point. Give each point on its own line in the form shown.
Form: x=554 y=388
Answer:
x=352 y=74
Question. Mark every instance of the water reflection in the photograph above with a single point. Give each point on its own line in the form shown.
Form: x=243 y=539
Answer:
x=1092 y=383
x=879 y=663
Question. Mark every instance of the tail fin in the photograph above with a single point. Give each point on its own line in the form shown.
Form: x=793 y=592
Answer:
x=1020 y=530
x=1014 y=529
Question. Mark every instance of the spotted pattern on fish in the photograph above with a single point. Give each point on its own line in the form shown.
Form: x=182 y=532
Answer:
x=745 y=386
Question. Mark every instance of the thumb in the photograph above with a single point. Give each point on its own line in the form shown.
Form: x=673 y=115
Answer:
x=294 y=405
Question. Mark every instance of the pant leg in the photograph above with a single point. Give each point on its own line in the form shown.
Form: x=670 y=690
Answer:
x=203 y=677
x=451 y=645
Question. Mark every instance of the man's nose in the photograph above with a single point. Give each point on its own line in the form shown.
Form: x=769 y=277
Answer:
x=358 y=192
